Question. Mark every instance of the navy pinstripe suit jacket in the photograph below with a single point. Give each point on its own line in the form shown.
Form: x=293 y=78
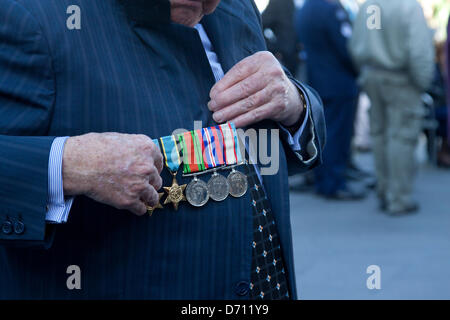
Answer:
x=127 y=70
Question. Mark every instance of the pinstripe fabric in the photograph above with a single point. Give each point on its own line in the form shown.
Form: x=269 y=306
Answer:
x=117 y=75
x=24 y=167
x=57 y=207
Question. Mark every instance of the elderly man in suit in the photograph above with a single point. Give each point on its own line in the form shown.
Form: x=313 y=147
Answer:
x=77 y=166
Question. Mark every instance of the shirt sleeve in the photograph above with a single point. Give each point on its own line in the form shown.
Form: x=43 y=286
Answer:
x=294 y=140
x=305 y=143
x=58 y=207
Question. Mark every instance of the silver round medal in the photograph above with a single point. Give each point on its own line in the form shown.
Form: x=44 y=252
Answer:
x=218 y=187
x=238 y=183
x=197 y=193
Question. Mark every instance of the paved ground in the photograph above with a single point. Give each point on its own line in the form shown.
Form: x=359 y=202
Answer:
x=334 y=243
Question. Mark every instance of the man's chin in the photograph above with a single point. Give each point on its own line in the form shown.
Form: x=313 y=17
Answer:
x=186 y=16
x=210 y=6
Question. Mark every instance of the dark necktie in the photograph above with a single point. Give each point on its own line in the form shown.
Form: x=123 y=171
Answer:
x=268 y=277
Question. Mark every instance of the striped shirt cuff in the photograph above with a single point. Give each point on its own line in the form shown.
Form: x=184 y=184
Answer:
x=57 y=206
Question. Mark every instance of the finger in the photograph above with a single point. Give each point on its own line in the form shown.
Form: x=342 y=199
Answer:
x=155 y=180
x=239 y=91
x=149 y=196
x=264 y=112
x=252 y=102
x=138 y=208
x=239 y=72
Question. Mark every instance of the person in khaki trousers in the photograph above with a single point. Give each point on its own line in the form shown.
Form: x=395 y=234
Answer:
x=393 y=48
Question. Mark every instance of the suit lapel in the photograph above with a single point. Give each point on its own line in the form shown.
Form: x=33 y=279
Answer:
x=233 y=34
x=221 y=41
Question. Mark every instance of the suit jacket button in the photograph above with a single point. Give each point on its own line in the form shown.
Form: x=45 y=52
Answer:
x=7 y=227
x=19 y=227
x=242 y=288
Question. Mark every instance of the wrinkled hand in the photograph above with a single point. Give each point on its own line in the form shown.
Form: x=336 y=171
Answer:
x=256 y=89
x=121 y=170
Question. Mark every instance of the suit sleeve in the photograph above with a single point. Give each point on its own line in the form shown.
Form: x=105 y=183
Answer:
x=313 y=137
x=26 y=102
x=313 y=134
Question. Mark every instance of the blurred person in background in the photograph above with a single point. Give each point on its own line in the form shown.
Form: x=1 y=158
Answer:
x=444 y=154
x=279 y=32
x=324 y=27
x=352 y=8
x=361 y=135
x=437 y=91
x=397 y=63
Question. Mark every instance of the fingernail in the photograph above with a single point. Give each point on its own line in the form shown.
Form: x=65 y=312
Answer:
x=218 y=116
x=212 y=105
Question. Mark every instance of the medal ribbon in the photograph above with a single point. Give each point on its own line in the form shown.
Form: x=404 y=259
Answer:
x=192 y=152
x=208 y=149
x=198 y=148
x=155 y=141
x=229 y=143
x=171 y=154
x=217 y=145
x=236 y=143
x=203 y=149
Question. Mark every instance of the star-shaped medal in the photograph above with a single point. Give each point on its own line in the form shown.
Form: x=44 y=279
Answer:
x=158 y=206
x=175 y=193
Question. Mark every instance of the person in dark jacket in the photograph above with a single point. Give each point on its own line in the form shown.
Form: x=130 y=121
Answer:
x=444 y=153
x=324 y=28
x=282 y=40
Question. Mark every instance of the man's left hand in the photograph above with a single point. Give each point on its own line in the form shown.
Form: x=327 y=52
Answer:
x=256 y=89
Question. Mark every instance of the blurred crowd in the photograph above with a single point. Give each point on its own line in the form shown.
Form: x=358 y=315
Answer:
x=381 y=68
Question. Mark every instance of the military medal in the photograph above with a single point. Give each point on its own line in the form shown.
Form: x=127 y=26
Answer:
x=158 y=206
x=238 y=183
x=197 y=193
x=191 y=142
x=175 y=193
x=203 y=150
x=236 y=180
x=218 y=187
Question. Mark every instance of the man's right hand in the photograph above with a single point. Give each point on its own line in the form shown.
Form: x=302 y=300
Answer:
x=121 y=170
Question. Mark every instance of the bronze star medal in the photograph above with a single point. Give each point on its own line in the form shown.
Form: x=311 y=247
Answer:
x=175 y=193
x=158 y=206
